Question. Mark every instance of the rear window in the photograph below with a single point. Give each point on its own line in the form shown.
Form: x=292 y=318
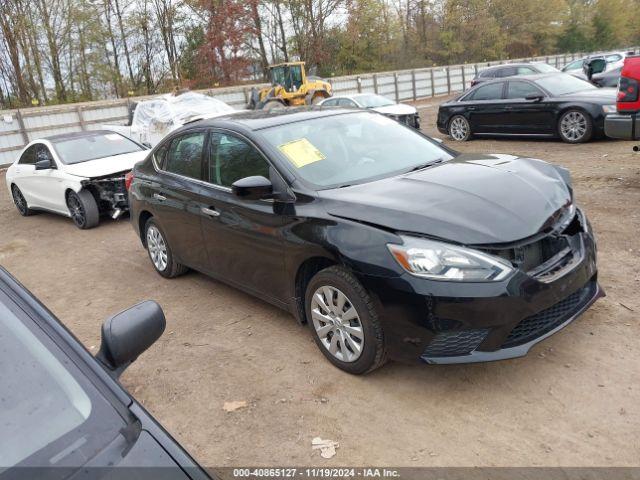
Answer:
x=564 y=84
x=545 y=68
x=93 y=147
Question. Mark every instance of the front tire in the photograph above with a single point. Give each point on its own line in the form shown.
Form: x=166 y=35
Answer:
x=83 y=209
x=160 y=252
x=459 y=129
x=20 y=202
x=575 y=126
x=344 y=321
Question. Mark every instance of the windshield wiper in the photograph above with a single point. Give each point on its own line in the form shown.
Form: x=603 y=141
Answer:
x=422 y=166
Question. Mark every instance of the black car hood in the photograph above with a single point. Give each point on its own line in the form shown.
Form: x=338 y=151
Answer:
x=602 y=96
x=472 y=199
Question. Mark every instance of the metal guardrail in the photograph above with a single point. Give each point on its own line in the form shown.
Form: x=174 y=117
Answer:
x=19 y=127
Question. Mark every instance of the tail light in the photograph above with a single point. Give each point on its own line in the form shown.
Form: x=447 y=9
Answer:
x=128 y=178
x=628 y=90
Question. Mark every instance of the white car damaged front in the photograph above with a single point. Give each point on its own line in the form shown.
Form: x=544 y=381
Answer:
x=70 y=175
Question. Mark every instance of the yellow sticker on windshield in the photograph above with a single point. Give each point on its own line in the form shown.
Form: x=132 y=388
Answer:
x=301 y=152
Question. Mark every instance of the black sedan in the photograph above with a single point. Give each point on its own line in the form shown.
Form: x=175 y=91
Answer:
x=548 y=105
x=63 y=413
x=384 y=242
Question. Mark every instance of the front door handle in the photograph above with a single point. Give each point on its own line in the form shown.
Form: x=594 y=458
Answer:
x=471 y=108
x=159 y=197
x=209 y=211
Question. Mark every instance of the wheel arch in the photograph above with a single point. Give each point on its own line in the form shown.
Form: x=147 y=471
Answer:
x=304 y=273
x=143 y=218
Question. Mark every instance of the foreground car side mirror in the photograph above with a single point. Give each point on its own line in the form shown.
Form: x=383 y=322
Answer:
x=253 y=188
x=129 y=333
x=44 y=164
x=534 y=97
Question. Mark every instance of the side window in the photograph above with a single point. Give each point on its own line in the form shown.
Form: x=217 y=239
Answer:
x=493 y=91
x=521 y=90
x=160 y=155
x=43 y=153
x=525 y=71
x=506 y=72
x=613 y=58
x=231 y=159
x=345 y=102
x=488 y=73
x=184 y=156
x=29 y=155
x=332 y=102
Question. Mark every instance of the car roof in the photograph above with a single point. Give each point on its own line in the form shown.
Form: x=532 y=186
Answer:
x=532 y=77
x=519 y=64
x=70 y=135
x=259 y=119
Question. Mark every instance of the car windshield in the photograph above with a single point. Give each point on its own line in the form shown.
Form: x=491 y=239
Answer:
x=47 y=409
x=92 y=147
x=374 y=101
x=564 y=84
x=546 y=68
x=351 y=148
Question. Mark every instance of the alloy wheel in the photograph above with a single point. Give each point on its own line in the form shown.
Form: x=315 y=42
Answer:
x=76 y=210
x=573 y=126
x=337 y=323
x=157 y=248
x=18 y=199
x=459 y=128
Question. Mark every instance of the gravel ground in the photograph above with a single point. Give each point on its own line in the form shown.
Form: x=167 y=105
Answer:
x=573 y=401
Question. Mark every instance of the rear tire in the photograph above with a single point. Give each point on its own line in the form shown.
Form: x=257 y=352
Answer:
x=20 y=202
x=575 y=126
x=344 y=321
x=459 y=128
x=160 y=252
x=83 y=209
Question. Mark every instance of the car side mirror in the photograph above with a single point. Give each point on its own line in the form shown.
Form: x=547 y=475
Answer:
x=534 y=97
x=44 y=164
x=129 y=333
x=147 y=144
x=253 y=188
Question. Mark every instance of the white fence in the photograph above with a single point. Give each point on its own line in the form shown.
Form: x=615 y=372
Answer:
x=19 y=127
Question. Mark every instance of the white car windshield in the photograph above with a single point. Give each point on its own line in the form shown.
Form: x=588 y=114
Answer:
x=351 y=148
x=91 y=147
x=374 y=101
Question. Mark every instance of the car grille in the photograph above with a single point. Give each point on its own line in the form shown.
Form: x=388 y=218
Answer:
x=542 y=322
x=451 y=344
x=533 y=255
x=410 y=120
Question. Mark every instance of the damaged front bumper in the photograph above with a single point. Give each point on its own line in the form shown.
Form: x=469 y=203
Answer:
x=110 y=193
x=465 y=322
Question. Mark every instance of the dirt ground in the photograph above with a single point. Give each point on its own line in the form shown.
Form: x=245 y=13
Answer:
x=573 y=401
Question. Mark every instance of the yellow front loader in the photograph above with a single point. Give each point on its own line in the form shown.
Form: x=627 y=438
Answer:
x=290 y=87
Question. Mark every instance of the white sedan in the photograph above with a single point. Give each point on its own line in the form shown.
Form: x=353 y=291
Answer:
x=78 y=175
x=405 y=114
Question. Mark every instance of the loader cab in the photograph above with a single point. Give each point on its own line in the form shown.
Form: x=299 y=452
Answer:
x=291 y=76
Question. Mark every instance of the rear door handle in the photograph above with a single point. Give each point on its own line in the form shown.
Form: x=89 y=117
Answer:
x=157 y=196
x=209 y=211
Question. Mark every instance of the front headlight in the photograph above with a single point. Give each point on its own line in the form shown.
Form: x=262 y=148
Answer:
x=441 y=261
x=609 y=108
